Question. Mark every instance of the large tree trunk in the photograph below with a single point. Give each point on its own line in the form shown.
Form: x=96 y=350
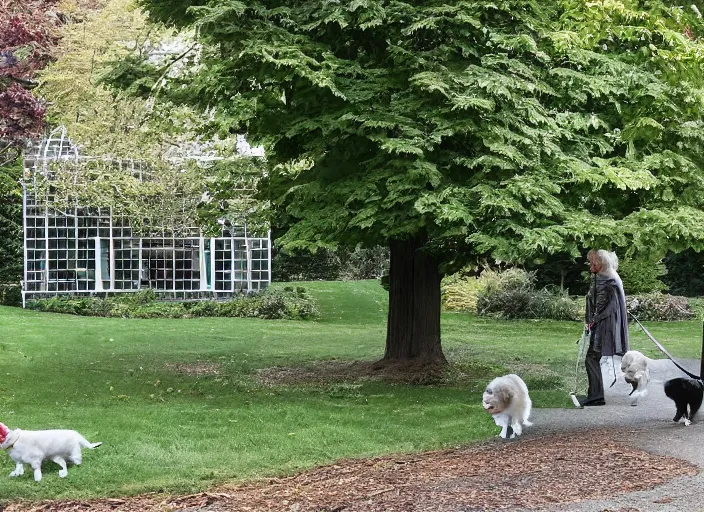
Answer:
x=413 y=328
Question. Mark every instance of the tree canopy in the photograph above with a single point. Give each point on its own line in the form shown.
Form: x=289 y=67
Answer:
x=512 y=128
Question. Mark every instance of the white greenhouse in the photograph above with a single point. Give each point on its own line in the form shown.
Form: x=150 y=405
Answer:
x=88 y=250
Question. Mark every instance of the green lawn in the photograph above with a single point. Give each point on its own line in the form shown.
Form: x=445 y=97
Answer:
x=117 y=381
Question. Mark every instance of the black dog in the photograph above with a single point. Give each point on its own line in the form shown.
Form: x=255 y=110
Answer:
x=685 y=392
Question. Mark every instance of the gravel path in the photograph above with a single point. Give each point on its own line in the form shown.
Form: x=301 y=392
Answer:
x=647 y=426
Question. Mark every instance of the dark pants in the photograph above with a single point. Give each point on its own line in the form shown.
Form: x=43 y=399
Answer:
x=596 y=383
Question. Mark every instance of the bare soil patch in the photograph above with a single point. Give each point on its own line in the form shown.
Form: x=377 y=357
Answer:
x=496 y=475
x=198 y=369
x=332 y=371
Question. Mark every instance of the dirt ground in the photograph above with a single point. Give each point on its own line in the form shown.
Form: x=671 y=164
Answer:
x=528 y=473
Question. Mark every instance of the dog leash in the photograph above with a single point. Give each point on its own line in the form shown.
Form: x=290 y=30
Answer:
x=663 y=349
x=582 y=343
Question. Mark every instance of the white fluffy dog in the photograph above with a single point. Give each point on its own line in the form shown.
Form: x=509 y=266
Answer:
x=634 y=366
x=35 y=446
x=506 y=398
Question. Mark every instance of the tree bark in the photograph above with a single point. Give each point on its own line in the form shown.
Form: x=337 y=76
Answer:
x=413 y=326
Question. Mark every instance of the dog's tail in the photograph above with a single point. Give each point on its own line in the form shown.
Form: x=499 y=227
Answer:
x=86 y=444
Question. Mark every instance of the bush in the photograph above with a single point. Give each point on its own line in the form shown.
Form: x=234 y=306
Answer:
x=555 y=304
x=512 y=294
x=459 y=292
x=270 y=304
x=642 y=276
x=10 y=295
x=505 y=294
x=302 y=265
x=365 y=264
x=659 y=307
x=10 y=220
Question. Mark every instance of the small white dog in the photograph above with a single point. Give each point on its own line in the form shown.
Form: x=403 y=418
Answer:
x=35 y=446
x=634 y=366
x=506 y=398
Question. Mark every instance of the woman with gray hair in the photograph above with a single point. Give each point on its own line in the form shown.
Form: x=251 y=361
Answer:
x=606 y=320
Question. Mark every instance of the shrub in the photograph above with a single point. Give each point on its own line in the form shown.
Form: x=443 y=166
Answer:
x=512 y=294
x=362 y=263
x=158 y=310
x=302 y=265
x=642 y=275
x=696 y=304
x=555 y=304
x=142 y=297
x=459 y=292
x=505 y=294
x=270 y=304
x=659 y=307
x=10 y=295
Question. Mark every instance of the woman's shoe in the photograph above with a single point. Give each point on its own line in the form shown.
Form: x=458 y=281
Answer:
x=586 y=401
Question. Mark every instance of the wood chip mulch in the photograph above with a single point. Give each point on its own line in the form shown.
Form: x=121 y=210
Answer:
x=523 y=474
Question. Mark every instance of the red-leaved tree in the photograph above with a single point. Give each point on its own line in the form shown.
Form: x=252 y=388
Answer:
x=27 y=40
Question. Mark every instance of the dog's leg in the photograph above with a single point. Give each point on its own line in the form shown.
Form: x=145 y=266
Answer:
x=517 y=429
x=76 y=457
x=61 y=462
x=635 y=395
x=694 y=406
x=37 y=467
x=681 y=410
x=19 y=470
x=634 y=385
x=643 y=379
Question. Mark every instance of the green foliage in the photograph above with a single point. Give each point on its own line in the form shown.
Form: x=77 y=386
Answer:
x=512 y=294
x=10 y=222
x=120 y=128
x=685 y=273
x=365 y=263
x=306 y=266
x=288 y=303
x=696 y=304
x=517 y=129
x=561 y=270
x=331 y=265
x=641 y=275
x=459 y=292
x=153 y=196
x=10 y=295
x=233 y=195
x=659 y=307
x=101 y=122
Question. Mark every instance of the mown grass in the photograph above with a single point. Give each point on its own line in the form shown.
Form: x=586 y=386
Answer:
x=119 y=381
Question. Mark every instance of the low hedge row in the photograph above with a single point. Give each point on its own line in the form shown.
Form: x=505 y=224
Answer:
x=288 y=303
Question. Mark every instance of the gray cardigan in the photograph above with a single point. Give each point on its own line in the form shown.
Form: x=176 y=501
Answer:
x=606 y=309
